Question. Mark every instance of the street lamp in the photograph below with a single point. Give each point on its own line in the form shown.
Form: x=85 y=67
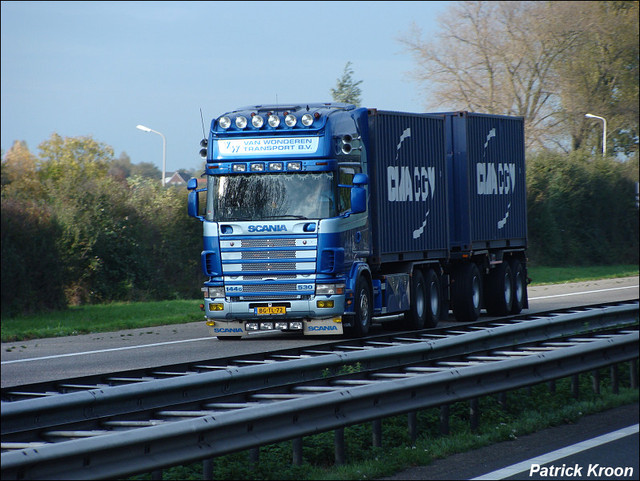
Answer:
x=164 y=148
x=604 y=132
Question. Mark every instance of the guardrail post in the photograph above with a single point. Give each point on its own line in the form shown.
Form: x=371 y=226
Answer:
x=412 y=423
x=207 y=469
x=502 y=399
x=552 y=386
x=338 y=437
x=595 y=381
x=444 y=419
x=575 y=386
x=376 y=431
x=474 y=414
x=157 y=474
x=615 y=379
x=633 y=364
x=297 y=451
x=254 y=456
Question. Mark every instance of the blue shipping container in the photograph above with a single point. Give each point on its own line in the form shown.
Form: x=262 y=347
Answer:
x=486 y=177
x=406 y=160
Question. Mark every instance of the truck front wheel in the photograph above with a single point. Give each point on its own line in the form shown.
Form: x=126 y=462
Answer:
x=363 y=309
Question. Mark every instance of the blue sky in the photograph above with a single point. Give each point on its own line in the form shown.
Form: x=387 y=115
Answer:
x=101 y=68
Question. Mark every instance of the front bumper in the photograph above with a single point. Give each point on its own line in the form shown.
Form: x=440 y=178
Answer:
x=238 y=318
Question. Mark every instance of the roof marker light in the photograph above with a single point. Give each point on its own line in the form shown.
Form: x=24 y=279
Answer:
x=274 y=121
x=290 y=120
x=257 y=121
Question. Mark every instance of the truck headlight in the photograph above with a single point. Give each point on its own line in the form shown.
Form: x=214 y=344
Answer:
x=307 y=120
x=213 y=292
x=329 y=289
x=241 y=122
x=224 y=122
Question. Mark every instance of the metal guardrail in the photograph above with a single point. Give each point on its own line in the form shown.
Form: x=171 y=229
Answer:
x=43 y=412
x=152 y=448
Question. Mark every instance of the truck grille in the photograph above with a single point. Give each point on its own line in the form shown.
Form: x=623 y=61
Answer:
x=270 y=260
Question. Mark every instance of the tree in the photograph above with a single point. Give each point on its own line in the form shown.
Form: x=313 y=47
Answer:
x=146 y=169
x=347 y=90
x=19 y=173
x=121 y=167
x=548 y=62
x=599 y=73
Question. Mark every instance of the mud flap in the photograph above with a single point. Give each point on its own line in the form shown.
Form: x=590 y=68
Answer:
x=323 y=327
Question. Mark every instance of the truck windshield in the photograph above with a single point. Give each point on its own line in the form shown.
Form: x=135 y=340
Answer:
x=270 y=196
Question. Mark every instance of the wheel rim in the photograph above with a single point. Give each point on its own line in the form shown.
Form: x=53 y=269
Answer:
x=435 y=298
x=519 y=288
x=507 y=288
x=476 y=291
x=364 y=307
x=420 y=301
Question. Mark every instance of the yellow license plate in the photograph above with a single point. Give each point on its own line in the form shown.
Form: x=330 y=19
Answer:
x=266 y=311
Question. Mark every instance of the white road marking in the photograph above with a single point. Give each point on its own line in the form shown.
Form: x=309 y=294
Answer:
x=559 y=454
x=105 y=350
x=581 y=293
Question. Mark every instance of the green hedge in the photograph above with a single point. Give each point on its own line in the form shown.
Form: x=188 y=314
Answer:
x=581 y=210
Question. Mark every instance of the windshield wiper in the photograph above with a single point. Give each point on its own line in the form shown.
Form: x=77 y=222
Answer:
x=291 y=216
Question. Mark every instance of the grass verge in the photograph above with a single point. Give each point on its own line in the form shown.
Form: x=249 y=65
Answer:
x=117 y=316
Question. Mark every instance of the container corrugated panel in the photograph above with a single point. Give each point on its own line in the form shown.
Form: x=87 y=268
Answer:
x=409 y=190
x=487 y=170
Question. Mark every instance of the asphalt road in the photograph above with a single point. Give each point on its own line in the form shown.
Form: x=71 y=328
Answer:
x=59 y=358
x=515 y=459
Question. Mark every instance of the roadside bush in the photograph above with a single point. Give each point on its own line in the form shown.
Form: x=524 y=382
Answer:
x=31 y=265
x=581 y=210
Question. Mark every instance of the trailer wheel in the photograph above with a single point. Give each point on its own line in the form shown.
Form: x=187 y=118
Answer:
x=519 y=286
x=416 y=317
x=434 y=298
x=466 y=292
x=363 y=309
x=499 y=291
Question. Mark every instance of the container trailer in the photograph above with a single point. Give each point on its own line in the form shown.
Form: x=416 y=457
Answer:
x=324 y=218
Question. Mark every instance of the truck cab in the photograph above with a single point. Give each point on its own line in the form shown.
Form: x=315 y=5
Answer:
x=284 y=218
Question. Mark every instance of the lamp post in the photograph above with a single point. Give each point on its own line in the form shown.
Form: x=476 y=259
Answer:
x=164 y=149
x=604 y=131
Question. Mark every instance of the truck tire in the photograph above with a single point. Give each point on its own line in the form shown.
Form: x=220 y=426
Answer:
x=466 y=292
x=416 y=317
x=434 y=298
x=519 y=286
x=499 y=290
x=363 y=309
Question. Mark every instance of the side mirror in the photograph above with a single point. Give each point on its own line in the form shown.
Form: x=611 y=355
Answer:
x=359 y=194
x=193 y=201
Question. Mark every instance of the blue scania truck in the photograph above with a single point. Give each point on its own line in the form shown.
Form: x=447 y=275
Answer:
x=324 y=218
